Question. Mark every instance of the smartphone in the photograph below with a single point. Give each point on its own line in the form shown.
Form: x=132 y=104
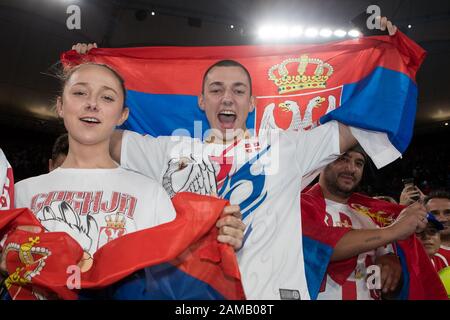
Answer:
x=409 y=184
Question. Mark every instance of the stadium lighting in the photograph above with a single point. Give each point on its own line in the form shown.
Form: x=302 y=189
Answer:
x=325 y=33
x=153 y=13
x=311 y=32
x=232 y=26
x=281 y=32
x=265 y=32
x=446 y=124
x=409 y=26
x=354 y=33
x=340 y=33
x=295 y=31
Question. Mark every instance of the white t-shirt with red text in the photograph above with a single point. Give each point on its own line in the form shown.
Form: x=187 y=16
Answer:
x=95 y=206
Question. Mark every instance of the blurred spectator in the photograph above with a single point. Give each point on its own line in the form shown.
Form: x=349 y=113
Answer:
x=431 y=241
x=59 y=152
x=438 y=204
x=410 y=194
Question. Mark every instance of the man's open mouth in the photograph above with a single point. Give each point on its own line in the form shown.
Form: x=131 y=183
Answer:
x=227 y=118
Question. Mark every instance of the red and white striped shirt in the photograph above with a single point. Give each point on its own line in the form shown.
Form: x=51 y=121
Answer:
x=355 y=287
x=441 y=258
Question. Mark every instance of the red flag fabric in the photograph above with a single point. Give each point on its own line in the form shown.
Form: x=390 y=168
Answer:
x=40 y=260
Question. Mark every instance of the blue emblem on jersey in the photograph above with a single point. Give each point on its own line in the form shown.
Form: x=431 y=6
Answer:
x=244 y=176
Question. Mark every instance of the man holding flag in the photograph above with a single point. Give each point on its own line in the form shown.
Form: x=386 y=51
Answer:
x=263 y=175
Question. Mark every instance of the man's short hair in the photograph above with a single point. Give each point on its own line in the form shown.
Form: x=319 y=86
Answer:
x=61 y=146
x=227 y=63
x=441 y=194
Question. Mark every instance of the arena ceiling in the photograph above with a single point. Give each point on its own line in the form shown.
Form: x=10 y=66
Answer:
x=34 y=32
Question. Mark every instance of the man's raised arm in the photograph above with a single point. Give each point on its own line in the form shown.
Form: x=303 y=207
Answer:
x=346 y=138
x=412 y=219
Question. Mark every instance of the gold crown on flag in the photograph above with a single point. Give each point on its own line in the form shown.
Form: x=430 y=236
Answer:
x=293 y=82
x=115 y=221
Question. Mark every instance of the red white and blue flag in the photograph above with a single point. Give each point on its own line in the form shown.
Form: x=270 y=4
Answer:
x=368 y=83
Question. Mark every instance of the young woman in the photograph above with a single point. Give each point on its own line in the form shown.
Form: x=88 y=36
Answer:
x=90 y=197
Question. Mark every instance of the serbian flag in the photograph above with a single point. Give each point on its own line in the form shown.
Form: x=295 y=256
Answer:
x=420 y=280
x=181 y=259
x=368 y=83
x=6 y=183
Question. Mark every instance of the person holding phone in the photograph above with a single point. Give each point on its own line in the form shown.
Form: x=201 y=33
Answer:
x=410 y=193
